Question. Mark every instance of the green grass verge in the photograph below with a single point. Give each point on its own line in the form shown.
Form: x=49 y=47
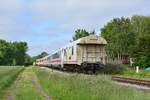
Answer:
x=128 y=72
x=7 y=77
x=85 y=87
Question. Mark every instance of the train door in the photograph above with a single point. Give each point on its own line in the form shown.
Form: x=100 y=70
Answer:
x=91 y=53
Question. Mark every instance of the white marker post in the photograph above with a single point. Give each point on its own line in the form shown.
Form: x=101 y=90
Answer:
x=131 y=62
x=137 y=69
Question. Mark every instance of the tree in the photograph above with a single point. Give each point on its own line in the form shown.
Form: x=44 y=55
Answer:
x=119 y=36
x=141 y=25
x=41 y=55
x=14 y=62
x=28 y=60
x=12 y=53
x=79 y=33
x=20 y=49
x=142 y=51
x=129 y=37
x=3 y=51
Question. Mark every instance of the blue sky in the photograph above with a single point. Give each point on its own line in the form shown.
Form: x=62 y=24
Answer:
x=47 y=25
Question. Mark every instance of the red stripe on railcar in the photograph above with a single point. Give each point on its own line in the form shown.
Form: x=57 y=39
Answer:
x=70 y=62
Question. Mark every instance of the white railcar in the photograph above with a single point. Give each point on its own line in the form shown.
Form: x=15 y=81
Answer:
x=86 y=52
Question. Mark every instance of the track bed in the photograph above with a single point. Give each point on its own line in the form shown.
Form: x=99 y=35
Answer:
x=132 y=81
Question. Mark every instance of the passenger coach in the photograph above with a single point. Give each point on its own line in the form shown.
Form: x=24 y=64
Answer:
x=86 y=53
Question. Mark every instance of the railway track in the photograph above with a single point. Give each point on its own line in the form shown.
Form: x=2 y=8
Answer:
x=133 y=81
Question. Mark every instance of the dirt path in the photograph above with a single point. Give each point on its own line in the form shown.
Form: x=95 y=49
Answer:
x=26 y=80
x=39 y=88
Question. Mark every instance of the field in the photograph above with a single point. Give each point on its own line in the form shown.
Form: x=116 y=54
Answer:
x=34 y=83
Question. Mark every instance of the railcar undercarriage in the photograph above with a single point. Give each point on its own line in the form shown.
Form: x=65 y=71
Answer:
x=88 y=68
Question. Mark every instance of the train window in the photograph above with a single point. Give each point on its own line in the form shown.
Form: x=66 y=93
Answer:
x=56 y=55
x=72 y=50
x=65 y=53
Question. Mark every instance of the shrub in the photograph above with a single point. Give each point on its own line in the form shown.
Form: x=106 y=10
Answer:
x=112 y=69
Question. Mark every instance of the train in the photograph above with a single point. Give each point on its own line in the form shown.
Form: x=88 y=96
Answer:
x=86 y=53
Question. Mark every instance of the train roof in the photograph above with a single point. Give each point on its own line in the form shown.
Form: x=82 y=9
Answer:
x=91 y=39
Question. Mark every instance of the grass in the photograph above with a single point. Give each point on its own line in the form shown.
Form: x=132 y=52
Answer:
x=128 y=72
x=7 y=76
x=85 y=87
x=62 y=86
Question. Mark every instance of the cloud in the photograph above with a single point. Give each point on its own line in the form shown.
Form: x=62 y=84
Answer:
x=9 y=9
x=10 y=6
x=89 y=14
x=68 y=14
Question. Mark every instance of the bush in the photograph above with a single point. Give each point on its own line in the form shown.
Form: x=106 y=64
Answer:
x=112 y=69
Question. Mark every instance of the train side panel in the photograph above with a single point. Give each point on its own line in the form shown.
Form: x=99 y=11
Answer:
x=70 y=55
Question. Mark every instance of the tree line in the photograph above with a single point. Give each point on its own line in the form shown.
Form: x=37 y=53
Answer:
x=129 y=37
x=13 y=53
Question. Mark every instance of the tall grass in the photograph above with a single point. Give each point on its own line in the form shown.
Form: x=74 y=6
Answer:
x=7 y=77
x=85 y=87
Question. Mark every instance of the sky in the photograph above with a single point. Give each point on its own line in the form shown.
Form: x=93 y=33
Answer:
x=47 y=25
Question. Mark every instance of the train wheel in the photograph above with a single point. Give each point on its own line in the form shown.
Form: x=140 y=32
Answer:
x=94 y=69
